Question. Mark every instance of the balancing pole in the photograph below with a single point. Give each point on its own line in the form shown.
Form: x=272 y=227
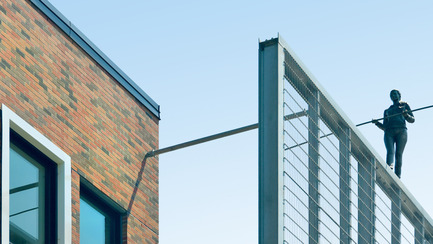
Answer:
x=414 y=110
x=371 y=121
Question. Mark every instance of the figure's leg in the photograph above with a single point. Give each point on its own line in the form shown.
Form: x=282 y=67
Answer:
x=401 y=140
x=389 y=144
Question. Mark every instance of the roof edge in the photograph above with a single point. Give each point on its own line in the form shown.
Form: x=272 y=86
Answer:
x=96 y=54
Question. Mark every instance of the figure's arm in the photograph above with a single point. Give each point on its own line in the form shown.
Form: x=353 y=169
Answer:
x=408 y=115
x=378 y=124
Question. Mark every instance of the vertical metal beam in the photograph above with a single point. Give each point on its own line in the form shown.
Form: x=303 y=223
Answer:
x=345 y=215
x=313 y=164
x=366 y=205
x=396 y=216
x=419 y=229
x=271 y=151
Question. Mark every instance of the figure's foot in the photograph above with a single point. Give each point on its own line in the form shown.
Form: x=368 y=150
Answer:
x=391 y=166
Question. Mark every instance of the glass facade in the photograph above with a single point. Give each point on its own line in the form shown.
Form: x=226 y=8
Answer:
x=92 y=223
x=27 y=188
x=99 y=223
x=32 y=208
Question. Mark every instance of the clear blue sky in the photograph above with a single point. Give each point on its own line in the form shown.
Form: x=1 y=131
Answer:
x=198 y=60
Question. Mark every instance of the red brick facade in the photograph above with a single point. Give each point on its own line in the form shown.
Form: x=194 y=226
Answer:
x=55 y=86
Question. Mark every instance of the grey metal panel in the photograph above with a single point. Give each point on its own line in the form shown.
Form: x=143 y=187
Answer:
x=271 y=118
x=69 y=29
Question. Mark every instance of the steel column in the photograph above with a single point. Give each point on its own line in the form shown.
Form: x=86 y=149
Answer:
x=345 y=215
x=271 y=151
x=313 y=165
x=395 y=216
x=419 y=229
x=366 y=205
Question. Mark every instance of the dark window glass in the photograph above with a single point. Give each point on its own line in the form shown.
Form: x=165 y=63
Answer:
x=32 y=194
x=99 y=223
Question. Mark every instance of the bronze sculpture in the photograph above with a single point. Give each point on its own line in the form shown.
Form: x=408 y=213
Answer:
x=394 y=126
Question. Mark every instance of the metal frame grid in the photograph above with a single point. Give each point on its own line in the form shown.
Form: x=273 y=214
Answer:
x=319 y=180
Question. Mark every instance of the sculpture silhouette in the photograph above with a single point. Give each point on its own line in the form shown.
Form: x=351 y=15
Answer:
x=394 y=126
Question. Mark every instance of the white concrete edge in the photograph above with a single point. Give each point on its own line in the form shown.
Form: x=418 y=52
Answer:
x=10 y=120
x=5 y=177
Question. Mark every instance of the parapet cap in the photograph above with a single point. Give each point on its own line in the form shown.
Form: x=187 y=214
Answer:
x=72 y=31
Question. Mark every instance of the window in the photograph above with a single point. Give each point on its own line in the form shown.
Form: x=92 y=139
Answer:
x=35 y=185
x=100 y=221
x=32 y=194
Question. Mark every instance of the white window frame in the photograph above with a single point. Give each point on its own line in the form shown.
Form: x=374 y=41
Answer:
x=11 y=121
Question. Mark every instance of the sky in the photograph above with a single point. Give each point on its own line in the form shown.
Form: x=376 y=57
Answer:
x=199 y=61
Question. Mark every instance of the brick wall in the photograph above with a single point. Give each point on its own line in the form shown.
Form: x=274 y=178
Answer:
x=56 y=87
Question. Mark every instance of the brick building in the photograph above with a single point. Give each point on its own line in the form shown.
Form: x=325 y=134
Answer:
x=75 y=130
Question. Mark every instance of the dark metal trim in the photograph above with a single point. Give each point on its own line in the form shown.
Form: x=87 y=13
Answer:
x=92 y=190
x=154 y=153
x=72 y=31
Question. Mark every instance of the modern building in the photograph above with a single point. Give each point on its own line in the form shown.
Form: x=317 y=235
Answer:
x=75 y=132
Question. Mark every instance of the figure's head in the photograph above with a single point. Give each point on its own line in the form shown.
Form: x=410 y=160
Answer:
x=395 y=95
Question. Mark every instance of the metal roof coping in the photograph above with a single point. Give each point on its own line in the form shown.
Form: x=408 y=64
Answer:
x=94 y=52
